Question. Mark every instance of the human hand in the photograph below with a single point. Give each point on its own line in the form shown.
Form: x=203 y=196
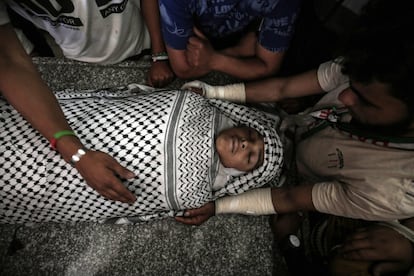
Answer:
x=198 y=216
x=232 y=92
x=197 y=87
x=199 y=51
x=160 y=74
x=390 y=250
x=102 y=173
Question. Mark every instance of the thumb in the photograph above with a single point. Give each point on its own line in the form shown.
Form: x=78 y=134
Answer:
x=194 y=83
x=205 y=89
x=383 y=268
x=192 y=213
x=198 y=33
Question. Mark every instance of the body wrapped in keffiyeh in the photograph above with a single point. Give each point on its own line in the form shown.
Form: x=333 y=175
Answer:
x=166 y=138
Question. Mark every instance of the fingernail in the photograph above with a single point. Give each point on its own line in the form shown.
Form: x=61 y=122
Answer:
x=186 y=214
x=130 y=175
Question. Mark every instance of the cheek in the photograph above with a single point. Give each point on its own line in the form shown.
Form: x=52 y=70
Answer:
x=347 y=97
x=235 y=162
x=228 y=160
x=394 y=116
x=224 y=159
x=222 y=147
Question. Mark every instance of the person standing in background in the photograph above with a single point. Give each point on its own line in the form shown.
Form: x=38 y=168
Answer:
x=103 y=32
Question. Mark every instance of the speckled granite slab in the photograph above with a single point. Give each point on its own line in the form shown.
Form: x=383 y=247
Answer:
x=231 y=245
x=61 y=74
x=224 y=245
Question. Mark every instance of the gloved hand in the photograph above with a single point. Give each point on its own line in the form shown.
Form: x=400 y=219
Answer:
x=232 y=92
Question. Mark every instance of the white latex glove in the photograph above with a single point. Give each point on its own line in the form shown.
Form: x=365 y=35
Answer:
x=232 y=92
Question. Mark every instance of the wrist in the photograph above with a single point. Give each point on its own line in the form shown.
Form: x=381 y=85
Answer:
x=68 y=146
x=216 y=61
x=76 y=157
x=254 y=202
x=159 y=56
x=232 y=92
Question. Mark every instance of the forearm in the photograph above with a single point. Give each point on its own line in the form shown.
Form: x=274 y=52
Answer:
x=22 y=86
x=30 y=96
x=266 y=90
x=265 y=201
x=245 y=48
x=151 y=14
x=294 y=199
x=253 y=202
x=181 y=67
x=276 y=89
x=248 y=68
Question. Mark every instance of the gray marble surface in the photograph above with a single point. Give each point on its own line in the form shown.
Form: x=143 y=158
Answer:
x=63 y=73
x=224 y=245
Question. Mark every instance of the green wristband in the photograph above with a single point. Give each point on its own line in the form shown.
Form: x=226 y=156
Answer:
x=59 y=135
x=62 y=133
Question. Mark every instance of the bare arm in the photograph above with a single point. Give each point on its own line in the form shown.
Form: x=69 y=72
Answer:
x=263 y=63
x=200 y=58
x=260 y=201
x=266 y=90
x=240 y=67
x=22 y=86
x=181 y=66
x=384 y=247
x=288 y=200
x=151 y=14
x=276 y=89
x=160 y=73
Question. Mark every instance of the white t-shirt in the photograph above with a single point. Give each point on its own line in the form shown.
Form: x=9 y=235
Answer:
x=103 y=32
x=355 y=176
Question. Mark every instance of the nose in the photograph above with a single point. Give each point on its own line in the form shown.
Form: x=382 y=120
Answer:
x=348 y=97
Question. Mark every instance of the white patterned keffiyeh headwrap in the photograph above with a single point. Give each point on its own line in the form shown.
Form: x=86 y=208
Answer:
x=166 y=138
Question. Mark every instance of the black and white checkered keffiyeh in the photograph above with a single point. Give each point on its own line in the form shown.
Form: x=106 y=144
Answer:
x=166 y=138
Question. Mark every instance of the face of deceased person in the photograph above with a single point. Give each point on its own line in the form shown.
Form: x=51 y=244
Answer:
x=241 y=148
